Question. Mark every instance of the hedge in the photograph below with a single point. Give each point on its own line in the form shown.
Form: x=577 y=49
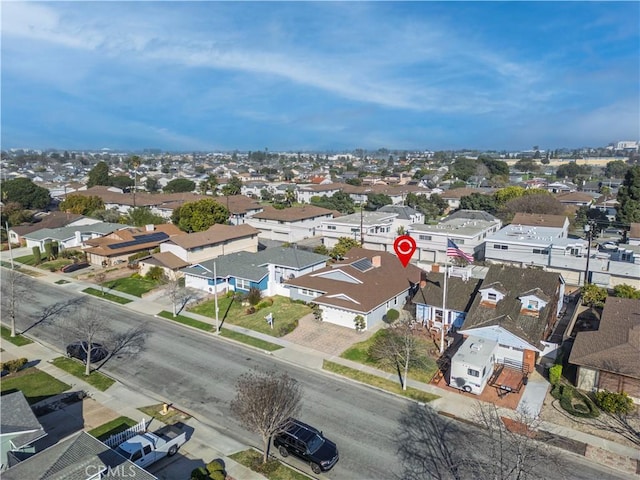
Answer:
x=13 y=366
x=568 y=396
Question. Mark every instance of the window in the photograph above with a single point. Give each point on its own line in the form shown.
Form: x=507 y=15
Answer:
x=500 y=247
x=473 y=373
x=243 y=284
x=308 y=293
x=459 y=241
x=532 y=305
x=540 y=251
x=492 y=296
x=136 y=456
x=574 y=251
x=424 y=237
x=147 y=449
x=331 y=227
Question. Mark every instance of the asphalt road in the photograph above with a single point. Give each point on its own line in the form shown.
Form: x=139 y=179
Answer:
x=198 y=373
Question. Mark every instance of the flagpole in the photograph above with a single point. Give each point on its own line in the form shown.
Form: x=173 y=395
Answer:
x=444 y=298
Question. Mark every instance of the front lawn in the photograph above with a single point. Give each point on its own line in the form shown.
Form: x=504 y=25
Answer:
x=132 y=285
x=53 y=265
x=35 y=384
x=107 y=296
x=75 y=368
x=18 y=340
x=359 y=352
x=117 y=425
x=285 y=313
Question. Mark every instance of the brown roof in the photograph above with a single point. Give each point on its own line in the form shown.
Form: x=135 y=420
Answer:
x=463 y=192
x=369 y=288
x=539 y=220
x=575 y=197
x=166 y=259
x=293 y=214
x=460 y=293
x=634 y=231
x=215 y=234
x=324 y=187
x=52 y=220
x=132 y=240
x=615 y=346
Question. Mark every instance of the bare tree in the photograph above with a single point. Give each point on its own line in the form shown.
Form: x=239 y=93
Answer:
x=264 y=403
x=15 y=292
x=88 y=326
x=101 y=277
x=399 y=347
x=178 y=295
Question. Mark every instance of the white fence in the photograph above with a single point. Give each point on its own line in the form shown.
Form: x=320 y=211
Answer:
x=114 y=440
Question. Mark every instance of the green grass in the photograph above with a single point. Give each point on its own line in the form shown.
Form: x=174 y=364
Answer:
x=61 y=282
x=359 y=352
x=26 y=260
x=172 y=415
x=273 y=470
x=207 y=327
x=18 y=340
x=132 y=286
x=75 y=368
x=108 y=296
x=52 y=265
x=117 y=425
x=379 y=382
x=35 y=384
x=285 y=313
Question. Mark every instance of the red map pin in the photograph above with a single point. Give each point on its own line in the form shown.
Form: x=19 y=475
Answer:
x=404 y=247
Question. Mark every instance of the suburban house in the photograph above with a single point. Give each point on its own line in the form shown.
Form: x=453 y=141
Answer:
x=461 y=291
x=452 y=197
x=468 y=229
x=608 y=358
x=72 y=236
x=306 y=192
x=19 y=429
x=290 y=224
x=266 y=270
x=217 y=240
x=514 y=313
x=405 y=215
x=170 y=264
x=50 y=220
x=397 y=193
x=576 y=199
x=375 y=230
x=118 y=246
x=79 y=456
x=366 y=282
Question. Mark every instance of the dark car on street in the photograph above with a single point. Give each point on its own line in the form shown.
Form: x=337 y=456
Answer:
x=79 y=350
x=308 y=444
x=72 y=267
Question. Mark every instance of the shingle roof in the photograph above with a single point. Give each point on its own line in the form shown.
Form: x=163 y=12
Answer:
x=404 y=212
x=52 y=220
x=516 y=282
x=16 y=416
x=131 y=240
x=460 y=293
x=370 y=288
x=615 y=346
x=76 y=458
x=64 y=233
x=215 y=234
x=292 y=214
x=539 y=220
x=166 y=259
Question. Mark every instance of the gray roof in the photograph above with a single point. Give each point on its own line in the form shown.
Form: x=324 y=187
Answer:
x=75 y=458
x=16 y=416
x=404 y=212
x=254 y=266
x=64 y=233
x=460 y=294
x=516 y=282
x=472 y=215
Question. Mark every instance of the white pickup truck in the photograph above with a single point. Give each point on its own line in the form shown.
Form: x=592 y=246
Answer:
x=146 y=448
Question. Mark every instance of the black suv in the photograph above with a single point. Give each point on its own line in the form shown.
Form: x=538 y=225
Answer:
x=307 y=443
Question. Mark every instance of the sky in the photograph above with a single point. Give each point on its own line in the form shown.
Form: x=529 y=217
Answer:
x=319 y=76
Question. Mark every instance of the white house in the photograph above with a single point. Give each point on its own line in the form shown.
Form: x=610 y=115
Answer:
x=376 y=230
x=290 y=224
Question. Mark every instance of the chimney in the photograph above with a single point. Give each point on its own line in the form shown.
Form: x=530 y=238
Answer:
x=435 y=268
x=423 y=283
x=149 y=227
x=376 y=261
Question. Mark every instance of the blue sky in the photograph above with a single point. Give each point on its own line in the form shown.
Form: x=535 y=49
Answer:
x=302 y=76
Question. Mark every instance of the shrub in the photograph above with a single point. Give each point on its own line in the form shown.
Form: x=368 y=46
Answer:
x=155 y=273
x=253 y=296
x=199 y=473
x=37 y=256
x=284 y=329
x=613 y=402
x=250 y=310
x=555 y=373
x=359 y=323
x=574 y=402
x=13 y=366
x=139 y=255
x=218 y=475
x=392 y=315
x=136 y=275
x=215 y=466
x=317 y=313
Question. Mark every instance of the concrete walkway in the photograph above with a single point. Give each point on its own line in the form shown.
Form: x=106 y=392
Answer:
x=207 y=441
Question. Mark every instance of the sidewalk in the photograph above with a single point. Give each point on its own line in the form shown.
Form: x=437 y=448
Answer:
x=207 y=440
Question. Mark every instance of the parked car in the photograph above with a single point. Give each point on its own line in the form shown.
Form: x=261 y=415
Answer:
x=308 y=444
x=73 y=267
x=79 y=350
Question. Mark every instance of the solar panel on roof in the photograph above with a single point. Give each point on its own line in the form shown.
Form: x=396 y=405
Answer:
x=363 y=264
x=140 y=239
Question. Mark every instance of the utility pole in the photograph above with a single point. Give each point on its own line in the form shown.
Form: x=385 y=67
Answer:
x=215 y=293
x=589 y=230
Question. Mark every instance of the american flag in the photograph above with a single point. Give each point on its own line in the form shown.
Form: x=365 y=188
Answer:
x=454 y=251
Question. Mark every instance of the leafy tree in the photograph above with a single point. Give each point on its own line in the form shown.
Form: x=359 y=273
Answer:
x=264 y=403
x=232 y=187
x=615 y=169
x=354 y=181
x=503 y=195
x=342 y=247
x=399 y=347
x=26 y=193
x=597 y=217
x=629 y=197
x=124 y=182
x=479 y=201
x=266 y=195
x=542 y=203
x=496 y=167
x=626 y=291
x=572 y=170
x=593 y=295
x=463 y=168
x=152 y=184
x=377 y=200
x=112 y=216
x=432 y=207
x=199 y=216
x=527 y=165
x=99 y=175
x=141 y=216
x=81 y=204
x=178 y=185
x=339 y=201
x=14 y=214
